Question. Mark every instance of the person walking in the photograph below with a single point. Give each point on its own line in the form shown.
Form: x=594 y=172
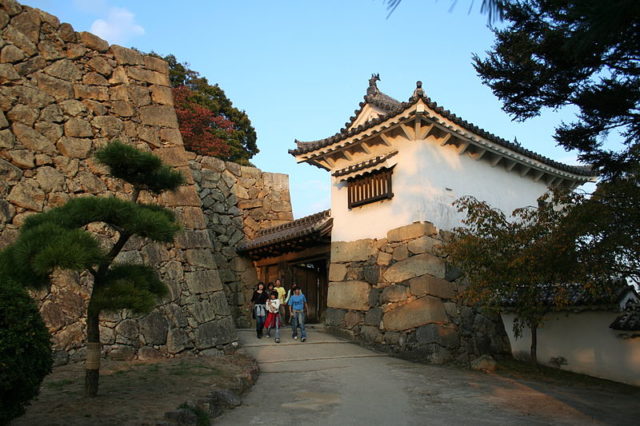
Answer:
x=297 y=307
x=290 y=293
x=259 y=309
x=281 y=296
x=273 y=315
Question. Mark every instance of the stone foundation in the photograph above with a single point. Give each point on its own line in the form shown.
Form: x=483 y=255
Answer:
x=63 y=95
x=399 y=295
x=238 y=202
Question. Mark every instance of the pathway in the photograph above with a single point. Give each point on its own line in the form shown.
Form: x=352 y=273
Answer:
x=329 y=381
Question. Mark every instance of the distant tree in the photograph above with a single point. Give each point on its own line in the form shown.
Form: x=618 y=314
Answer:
x=527 y=263
x=222 y=130
x=585 y=53
x=25 y=350
x=58 y=239
x=203 y=131
x=606 y=226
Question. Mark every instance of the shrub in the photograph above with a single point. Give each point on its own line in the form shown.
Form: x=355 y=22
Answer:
x=25 y=350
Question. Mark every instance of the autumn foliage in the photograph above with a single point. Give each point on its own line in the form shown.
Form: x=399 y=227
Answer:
x=203 y=132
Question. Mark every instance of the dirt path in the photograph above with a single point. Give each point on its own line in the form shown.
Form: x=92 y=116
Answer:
x=328 y=381
x=131 y=393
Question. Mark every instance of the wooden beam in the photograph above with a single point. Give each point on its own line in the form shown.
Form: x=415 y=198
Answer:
x=511 y=166
x=525 y=171
x=330 y=161
x=462 y=148
x=347 y=155
x=539 y=176
x=425 y=132
x=365 y=148
x=417 y=127
x=552 y=180
x=445 y=139
x=385 y=139
x=496 y=160
x=408 y=132
x=480 y=154
x=318 y=251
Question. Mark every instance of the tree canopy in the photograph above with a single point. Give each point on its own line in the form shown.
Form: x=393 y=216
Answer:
x=529 y=263
x=209 y=123
x=586 y=53
x=58 y=238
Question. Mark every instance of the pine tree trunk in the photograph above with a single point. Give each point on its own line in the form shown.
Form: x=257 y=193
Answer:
x=534 y=344
x=92 y=363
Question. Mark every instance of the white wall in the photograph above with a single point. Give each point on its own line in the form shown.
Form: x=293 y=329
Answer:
x=587 y=343
x=426 y=180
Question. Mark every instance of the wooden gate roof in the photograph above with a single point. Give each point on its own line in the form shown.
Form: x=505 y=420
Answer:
x=294 y=236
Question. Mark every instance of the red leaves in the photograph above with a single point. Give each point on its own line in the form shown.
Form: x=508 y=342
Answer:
x=203 y=132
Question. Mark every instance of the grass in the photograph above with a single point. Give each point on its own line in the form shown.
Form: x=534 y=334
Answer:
x=59 y=384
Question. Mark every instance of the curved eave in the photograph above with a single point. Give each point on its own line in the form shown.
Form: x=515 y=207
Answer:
x=417 y=111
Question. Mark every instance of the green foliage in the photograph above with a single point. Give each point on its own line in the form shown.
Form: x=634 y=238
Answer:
x=134 y=287
x=40 y=249
x=141 y=169
x=576 y=52
x=150 y=221
x=25 y=350
x=607 y=226
x=527 y=261
x=242 y=139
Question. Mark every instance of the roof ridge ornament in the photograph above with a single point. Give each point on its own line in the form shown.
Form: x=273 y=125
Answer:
x=372 y=90
x=419 y=92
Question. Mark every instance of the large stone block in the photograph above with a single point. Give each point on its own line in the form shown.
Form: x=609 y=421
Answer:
x=424 y=244
x=27 y=195
x=177 y=341
x=154 y=328
x=352 y=251
x=349 y=295
x=32 y=140
x=203 y=281
x=415 y=266
x=408 y=232
x=394 y=293
x=436 y=333
x=214 y=333
x=414 y=314
x=74 y=147
x=337 y=272
x=159 y=115
x=426 y=284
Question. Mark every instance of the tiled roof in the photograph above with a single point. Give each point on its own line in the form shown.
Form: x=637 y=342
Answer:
x=290 y=236
x=577 y=297
x=393 y=107
x=364 y=164
x=629 y=320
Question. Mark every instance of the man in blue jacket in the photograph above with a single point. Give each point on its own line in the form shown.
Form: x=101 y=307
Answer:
x=297 y=306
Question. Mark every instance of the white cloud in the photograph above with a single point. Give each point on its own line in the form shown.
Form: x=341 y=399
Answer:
x=119 y=26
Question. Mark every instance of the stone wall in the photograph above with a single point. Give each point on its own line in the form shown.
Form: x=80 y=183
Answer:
x=239 y=201
x=399 y=295
x=64 y=94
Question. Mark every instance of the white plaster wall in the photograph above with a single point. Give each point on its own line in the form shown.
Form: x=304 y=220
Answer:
x=426 y=180
x=587 y=343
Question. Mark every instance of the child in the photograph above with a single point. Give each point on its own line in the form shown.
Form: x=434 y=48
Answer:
x=297 y=307
x=273 y=315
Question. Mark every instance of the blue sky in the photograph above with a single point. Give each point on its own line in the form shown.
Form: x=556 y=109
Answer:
x=300 y=68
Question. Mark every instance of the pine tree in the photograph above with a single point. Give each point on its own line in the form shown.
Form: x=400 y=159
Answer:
x=58 y=239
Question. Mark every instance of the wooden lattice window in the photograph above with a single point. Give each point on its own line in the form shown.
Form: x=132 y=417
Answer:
x=369 y=188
